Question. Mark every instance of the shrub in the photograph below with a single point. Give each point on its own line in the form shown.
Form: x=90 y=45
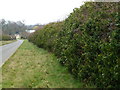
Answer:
x=46 y=37
x=87 y=42
x=5 y=37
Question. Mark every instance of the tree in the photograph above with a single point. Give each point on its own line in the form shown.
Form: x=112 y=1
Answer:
x=11 y=28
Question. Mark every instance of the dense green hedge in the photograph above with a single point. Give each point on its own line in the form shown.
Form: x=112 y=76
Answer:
x=87 y=42
x=46 y=37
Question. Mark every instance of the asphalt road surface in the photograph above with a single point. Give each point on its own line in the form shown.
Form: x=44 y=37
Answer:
x=8 y=50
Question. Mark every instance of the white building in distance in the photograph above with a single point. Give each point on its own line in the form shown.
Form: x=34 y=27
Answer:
x=17 y=36
x=30 y=31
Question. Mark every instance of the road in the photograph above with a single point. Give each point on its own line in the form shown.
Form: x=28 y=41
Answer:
x=8 y=50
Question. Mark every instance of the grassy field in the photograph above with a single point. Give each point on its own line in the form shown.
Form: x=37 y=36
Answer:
x=0 y=78
x=33 y=67
x=6 y=42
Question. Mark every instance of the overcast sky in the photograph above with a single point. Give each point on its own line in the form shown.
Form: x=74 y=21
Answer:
x=37 y=11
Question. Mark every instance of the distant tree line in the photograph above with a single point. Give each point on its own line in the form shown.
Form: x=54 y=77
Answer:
x=11 y=28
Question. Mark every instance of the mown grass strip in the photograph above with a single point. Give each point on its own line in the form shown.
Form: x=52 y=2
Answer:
x=33 y=67
x=6 y=42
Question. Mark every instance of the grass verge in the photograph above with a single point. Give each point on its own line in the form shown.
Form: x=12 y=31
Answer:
x=6 y=42
x=33 y=67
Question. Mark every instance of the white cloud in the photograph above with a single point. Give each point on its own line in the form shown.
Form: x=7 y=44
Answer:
x=37 y=11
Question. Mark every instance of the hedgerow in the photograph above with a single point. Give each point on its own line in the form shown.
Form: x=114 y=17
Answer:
x=5 y=37
x=47 y=36
x=87 y=42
